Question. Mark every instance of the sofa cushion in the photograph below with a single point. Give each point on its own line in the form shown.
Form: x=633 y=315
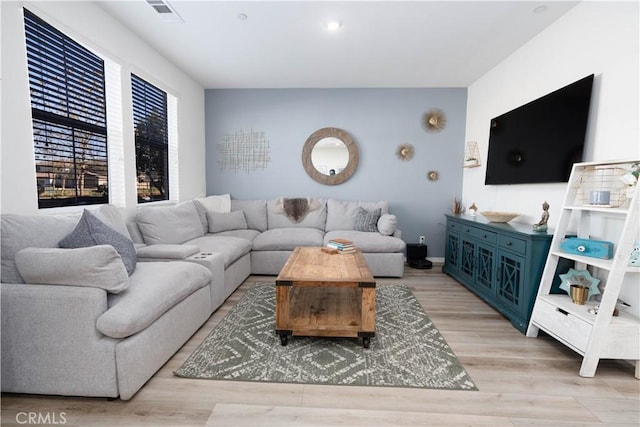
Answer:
x=387 y=224
x=255 y=212
x=341 y=215
x=23 y=231
x=167 y=251
x=368 y=242
x=280 y=239
x=153 y=289
x=94 y=266
x=221 y=204
x=315 y=216
x=112 y=216
x=232 y=248
x=367 y=220
x=90 y=231
x=202 y=214
x=169 y=224
x=226 y=221
x=242 y=234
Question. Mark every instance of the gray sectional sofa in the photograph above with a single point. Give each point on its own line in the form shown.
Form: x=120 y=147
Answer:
x=266 y=231
x=88 y=324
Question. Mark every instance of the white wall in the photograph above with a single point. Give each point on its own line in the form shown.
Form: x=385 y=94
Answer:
x=91 y=26
x=593 y=37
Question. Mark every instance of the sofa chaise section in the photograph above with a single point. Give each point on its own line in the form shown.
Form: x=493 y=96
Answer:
x=65 y=335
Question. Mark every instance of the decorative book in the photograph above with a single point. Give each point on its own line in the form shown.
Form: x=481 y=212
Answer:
x=342 y=245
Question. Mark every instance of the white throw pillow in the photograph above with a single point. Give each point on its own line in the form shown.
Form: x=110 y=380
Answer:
x=220 y=203
x=387 y=224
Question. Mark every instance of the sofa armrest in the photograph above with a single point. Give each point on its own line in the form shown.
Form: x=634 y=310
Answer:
x=50 y=343
x=166 y=252
x=214 y=261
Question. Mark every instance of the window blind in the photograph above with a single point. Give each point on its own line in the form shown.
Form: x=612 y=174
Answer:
x=67 y=86
x=151 y=137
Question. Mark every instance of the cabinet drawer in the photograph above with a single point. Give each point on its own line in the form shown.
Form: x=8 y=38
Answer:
x=563 y=325
x=453 y=226
x=513 y=244
x=482 y=235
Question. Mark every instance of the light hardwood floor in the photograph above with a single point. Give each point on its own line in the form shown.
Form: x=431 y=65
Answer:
x=522 y=382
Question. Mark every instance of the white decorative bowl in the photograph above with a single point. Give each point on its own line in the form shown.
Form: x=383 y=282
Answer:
x=499 y=216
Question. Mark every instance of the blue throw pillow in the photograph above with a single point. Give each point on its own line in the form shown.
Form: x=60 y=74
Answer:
x=90 y=231
x=367 y=220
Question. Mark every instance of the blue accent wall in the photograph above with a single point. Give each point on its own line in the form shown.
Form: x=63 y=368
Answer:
x=378 y=120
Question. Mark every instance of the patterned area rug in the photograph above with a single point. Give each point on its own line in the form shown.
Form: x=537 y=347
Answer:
x=407 y=350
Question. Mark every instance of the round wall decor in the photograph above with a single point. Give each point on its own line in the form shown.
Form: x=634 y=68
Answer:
x=405 y=152
x=433 y=176
x=434 y=120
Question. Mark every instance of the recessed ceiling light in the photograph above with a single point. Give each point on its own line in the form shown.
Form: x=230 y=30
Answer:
x=541 y=9
x=334 y=25
x=242 y=16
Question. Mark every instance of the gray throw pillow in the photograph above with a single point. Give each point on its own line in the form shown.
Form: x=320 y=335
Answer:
x=90 y=231
x=96 y=267
x=219 y=222
x=367 y=220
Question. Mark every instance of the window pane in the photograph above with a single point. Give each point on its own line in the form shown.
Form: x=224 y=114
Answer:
x=71 y=165
x=69 y=117
x=152 y=151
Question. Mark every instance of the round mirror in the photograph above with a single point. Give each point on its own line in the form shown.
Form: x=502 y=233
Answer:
x=330 y=156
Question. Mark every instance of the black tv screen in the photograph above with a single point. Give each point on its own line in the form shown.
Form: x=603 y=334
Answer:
x=540 y=141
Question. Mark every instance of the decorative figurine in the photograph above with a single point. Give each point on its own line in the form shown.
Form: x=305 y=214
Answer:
x=473 y=209
x=542 y=225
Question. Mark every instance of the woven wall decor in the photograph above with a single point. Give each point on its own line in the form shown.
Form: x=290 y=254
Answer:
x=434 y=120
x=405 y=152
x=244 y=151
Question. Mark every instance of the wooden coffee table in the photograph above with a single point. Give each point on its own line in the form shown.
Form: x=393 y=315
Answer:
x=327 y=295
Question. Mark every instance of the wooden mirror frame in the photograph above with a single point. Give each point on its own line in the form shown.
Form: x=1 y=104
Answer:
x=343 y=175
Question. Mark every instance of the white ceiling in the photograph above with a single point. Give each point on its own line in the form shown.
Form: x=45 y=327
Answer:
x=381 y=44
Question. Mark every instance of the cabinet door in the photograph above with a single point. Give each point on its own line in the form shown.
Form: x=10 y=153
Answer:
x=452 y=252
x=485 y=270
x=510 y=282
x=468 y=259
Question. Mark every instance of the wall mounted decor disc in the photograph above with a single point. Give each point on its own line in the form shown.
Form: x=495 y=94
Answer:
x=433 y=176
x=434 y=120
x=405 y=152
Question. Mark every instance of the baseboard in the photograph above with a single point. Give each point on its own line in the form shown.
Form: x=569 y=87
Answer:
x=435 y=260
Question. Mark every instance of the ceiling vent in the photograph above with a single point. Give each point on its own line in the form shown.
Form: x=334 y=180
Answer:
x=165 y=11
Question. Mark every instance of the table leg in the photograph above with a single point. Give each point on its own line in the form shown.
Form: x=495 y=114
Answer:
x=368 y=309
x=282 y=307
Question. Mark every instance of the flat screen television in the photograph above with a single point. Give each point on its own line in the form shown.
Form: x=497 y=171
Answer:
x=540 y=141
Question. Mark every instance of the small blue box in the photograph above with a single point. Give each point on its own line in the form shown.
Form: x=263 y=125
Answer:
x=587 y=247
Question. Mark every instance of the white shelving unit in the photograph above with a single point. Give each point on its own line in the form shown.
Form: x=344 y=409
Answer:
x=602 y=335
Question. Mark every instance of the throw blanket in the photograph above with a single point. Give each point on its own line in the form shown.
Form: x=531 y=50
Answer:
x=297 y=209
